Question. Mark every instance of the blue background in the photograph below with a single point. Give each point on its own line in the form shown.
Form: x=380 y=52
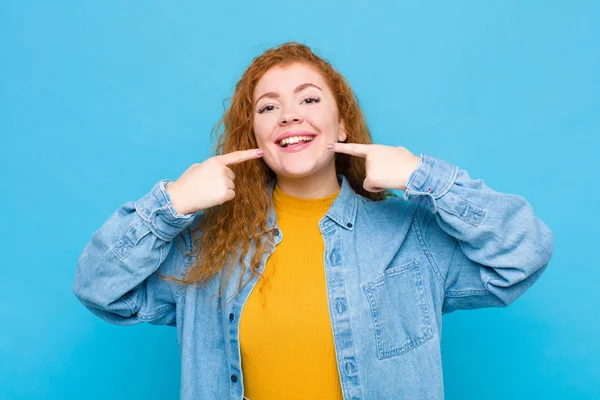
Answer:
x=100 y=100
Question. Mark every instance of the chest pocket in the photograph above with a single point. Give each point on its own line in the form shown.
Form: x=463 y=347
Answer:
x=399 y=309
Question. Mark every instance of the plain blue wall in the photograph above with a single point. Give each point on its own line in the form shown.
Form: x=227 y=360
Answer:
x=100 y=100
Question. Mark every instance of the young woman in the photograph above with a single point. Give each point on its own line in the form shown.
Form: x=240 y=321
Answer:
x=353 y=279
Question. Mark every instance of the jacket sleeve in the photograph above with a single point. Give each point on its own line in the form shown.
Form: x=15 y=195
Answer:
x=117 y=274
x=486 y=248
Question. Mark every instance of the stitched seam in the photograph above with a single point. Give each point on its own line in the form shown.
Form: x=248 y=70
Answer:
x=141 y=210
x=154 y=227
x=342 y=373
x=123 y=236
x=129 y=303
x=409 y=183
x=174 y=290
x=169 y=283
x=450 y=183
x=466 y=212
x=175 y=287
x=440 y=278
x=159 y=311
x=467 y=293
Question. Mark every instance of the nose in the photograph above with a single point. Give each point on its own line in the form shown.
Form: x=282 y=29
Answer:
x=289 y=117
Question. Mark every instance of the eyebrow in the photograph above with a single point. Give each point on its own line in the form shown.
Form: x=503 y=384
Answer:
x=298 y=89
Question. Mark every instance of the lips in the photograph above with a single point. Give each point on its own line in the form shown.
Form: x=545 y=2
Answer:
x=297 y=147
x=288 y=134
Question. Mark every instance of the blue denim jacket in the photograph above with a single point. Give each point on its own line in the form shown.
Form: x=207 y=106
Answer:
x=393 y=268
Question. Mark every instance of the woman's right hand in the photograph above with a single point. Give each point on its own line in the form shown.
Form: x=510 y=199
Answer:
x=208 y=184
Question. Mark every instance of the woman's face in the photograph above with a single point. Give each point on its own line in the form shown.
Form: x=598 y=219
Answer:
x=295 y=102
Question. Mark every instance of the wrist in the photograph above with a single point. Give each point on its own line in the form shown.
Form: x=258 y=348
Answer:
x=171 y=189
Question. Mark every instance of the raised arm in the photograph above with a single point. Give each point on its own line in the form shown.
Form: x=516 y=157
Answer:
x=486 y=247
x=117 y=272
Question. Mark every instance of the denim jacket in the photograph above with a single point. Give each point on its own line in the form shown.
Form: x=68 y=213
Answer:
x=393 y=268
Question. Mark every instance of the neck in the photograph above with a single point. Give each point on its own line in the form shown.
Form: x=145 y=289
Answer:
x=318 y=185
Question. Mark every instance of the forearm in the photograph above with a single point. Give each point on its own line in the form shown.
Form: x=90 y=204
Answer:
x=496 y=230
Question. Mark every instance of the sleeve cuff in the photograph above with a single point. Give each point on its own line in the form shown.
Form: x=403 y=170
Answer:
x=156 y=208
x=432 y=178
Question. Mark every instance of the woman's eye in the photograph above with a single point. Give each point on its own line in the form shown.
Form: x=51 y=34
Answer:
x=263 y=109
x=270 y=107
x=314 y=99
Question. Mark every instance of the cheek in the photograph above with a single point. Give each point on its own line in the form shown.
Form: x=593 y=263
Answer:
x=259 y=135
x=327 y=126
x=322 y=117
x=260 y=141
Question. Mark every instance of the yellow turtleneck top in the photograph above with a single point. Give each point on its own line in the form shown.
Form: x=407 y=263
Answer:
x=286 y=338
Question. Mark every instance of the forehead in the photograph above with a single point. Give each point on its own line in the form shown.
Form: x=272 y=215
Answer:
x=286 y=79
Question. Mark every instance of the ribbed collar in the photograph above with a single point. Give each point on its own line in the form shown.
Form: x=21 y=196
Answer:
x=342 y=211
x=300 y=207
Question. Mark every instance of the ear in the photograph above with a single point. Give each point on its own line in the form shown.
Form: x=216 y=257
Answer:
x=342 y=131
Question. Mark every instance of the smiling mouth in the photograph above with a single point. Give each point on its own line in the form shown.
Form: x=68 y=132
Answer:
x=295 y=141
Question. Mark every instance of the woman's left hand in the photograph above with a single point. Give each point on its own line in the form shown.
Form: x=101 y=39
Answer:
x=387 y=167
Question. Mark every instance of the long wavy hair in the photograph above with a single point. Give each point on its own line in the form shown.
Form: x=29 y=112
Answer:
x=235 y=225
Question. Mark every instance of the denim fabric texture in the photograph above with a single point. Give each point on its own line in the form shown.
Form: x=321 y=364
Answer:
x=392 y=267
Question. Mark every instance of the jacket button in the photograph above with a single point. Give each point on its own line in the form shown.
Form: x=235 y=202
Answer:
x=234 y=378
x=340 y=306
x=349 y=225
x=231 y=315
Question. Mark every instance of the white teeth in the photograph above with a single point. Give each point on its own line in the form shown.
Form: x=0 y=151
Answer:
x=295 y=139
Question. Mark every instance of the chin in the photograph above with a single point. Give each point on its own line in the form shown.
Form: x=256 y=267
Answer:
x=305 y=167
x=300 y=173
x=301 y=169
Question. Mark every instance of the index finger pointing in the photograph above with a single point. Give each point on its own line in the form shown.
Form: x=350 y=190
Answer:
x=354 y=149
x=236 y=157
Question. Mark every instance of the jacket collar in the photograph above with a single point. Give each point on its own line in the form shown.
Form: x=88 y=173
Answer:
x=342 y=211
